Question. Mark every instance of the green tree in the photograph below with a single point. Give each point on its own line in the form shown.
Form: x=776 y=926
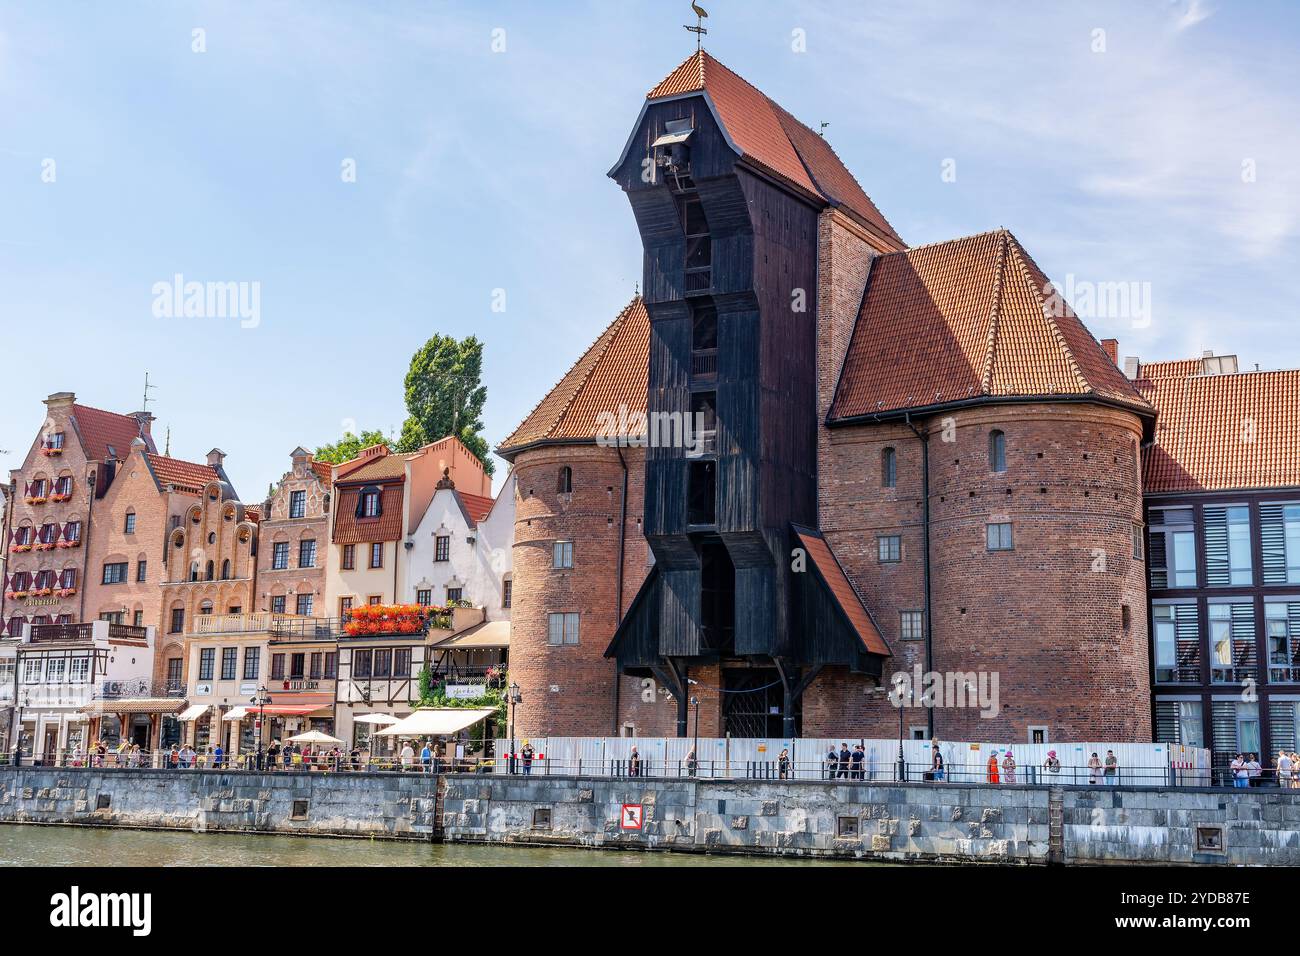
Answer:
x=445 y=395
x=349 y=446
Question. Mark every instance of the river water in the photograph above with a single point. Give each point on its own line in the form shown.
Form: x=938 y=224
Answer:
x=89 y=846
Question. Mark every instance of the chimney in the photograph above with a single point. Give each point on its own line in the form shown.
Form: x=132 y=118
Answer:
x=61 y=400
x=1112 y=350
x=216 y=457
x=1131 y=366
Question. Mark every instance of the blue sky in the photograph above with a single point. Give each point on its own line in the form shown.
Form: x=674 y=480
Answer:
x=1114 y=157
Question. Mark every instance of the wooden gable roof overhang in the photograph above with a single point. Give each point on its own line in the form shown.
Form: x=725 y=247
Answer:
x=834 y=625
x=635 y=645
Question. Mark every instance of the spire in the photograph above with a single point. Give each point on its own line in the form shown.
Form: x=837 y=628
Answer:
x=699 y=29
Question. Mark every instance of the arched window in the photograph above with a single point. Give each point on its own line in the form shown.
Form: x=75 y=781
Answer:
x=564 y=482
x=997 y=451
x=194 y=570
x=225 y=570
x=210 y=571
x=888 y=468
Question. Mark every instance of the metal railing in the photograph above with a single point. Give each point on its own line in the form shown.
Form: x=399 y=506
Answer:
x=246 y=762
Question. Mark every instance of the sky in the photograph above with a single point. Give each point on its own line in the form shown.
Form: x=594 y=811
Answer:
x=370 y=174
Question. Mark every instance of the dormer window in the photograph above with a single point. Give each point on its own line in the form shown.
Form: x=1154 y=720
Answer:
x=671 y=152
x=369 y=504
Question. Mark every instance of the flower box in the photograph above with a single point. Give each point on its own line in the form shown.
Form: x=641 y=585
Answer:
x=43 y=546
x=70 y=544
x=44 y=592
x=19 y=548
x=65 y=592
x=17 y=595
x=49 y=451
x=60 y=497
x=35 y=499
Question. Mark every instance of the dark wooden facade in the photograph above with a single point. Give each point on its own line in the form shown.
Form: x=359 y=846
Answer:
x=718 y=520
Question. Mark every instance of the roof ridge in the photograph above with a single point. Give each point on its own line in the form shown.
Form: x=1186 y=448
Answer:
x=570 y=370
x=614 y=328
x=944 y=242
x=1021 y=257
x=995 y=314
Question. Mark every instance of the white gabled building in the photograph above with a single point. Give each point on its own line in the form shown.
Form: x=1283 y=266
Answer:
x=461 y=550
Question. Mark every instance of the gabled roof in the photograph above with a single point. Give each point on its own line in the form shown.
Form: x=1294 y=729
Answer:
x=475 y=507
x=842 y=590
x=187 y=474
x=350 y=529
x=770 y=138
x=1219 y=432
x=613 y=373
x=107 y=435
x=383 y=468
x=966 y=320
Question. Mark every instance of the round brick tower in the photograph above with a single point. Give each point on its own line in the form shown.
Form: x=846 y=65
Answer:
x=1056 y=610
x=570 y=495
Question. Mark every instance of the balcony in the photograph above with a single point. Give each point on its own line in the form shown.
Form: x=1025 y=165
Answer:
x=267 y=622
x=704 y=363
x=85 y=632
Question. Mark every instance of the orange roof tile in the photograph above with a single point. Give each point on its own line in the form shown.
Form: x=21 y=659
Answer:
x=476 y=506
x=187 y=474
x=614 y=372
x=107 y=434
x=349 y=529
x=384 y=468
x=324 y=471
x=1218 y=432
x=968 y=319
x=828 y=566
x=771 y=138
x=1178 y=368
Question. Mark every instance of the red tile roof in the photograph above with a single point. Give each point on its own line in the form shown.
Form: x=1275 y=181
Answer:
x=846 y=596
x=476 y=506
x=964 y=320
x=324 y=471
x=349 y=529
x=106 y=434
x=772 y=139
x=187 y=474
x=612 y=373
x=1218 y=432
x=383 y=468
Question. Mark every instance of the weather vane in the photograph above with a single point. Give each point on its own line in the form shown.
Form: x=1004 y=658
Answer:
x=699 y=29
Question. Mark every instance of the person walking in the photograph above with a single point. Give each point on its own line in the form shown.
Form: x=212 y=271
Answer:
x=408 y=755
x=133 y=758
x=634 y=764
x=426 y=757
x=857 y=760
x=1254 y=772
x=936 y=762
x=846 y=756
x=1009 y=768
x=1283 y=769
x=1112 y=768
x=991 y=769
x=218 y=757
x=783 y=764
x=527 y=754
x=692 y=764
x=174 y=758
x=1094 y=769
x=1052 y=764
x=832 y=762
x=1240 y=778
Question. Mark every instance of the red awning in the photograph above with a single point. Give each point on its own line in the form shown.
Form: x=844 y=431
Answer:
x=300 y=708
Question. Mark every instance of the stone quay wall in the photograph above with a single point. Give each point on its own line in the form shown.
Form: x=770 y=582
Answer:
x=957 y=823
x=384 y=805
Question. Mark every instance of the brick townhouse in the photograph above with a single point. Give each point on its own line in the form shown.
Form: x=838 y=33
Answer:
x=904 y=457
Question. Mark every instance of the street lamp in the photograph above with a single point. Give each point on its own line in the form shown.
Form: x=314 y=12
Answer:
x=895 y=696
x=513 y=697
x=695 y=747
x=261 y=700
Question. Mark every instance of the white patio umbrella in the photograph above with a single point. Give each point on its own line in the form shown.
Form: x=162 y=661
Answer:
x=315 y=737
x=378 y=720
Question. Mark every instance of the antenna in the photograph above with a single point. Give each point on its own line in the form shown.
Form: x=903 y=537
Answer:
x=167 y=452
x=699 y=30
x=144 y=406
x=821 y=129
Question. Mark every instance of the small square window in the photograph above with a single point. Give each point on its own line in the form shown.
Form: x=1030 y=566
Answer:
x=1209 y=839
x=889 y=548
x=910 y=625
x=299 y=810
x=562 y=556
x=847 y=828
x=542 y=818
x=999 y=536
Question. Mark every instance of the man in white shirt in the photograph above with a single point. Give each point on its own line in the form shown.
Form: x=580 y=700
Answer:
x=408 y=755
x=1284 y=768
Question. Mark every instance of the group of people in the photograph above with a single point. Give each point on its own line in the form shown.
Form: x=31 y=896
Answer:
x=843 y=763
x=126 y=754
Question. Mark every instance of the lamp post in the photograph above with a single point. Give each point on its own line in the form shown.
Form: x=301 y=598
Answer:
x=695 y=747
x=896 y=696
x=513 y=697
x=261 y=700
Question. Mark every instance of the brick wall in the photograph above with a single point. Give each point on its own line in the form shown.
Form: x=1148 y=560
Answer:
x=1045 y=617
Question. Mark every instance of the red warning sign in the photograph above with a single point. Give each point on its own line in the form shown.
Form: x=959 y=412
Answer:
x=632 y=816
